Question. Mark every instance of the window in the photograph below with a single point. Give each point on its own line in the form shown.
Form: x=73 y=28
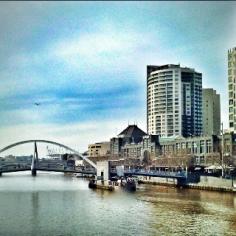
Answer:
x=202 y=147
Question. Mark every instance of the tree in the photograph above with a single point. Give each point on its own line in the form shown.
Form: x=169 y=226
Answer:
x=146 y=158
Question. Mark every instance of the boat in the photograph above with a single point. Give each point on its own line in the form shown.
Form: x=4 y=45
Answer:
x=129 y=184
x=92 y=184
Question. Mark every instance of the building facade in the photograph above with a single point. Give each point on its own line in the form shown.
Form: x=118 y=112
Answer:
x=132 y=142
x=202 y=150
x=230 y=145
x=99 y=149
x=174 y=101
x=232 y=88
x=211 y=112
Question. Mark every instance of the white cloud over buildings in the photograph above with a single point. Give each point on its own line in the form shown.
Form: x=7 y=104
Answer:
x=76 y=58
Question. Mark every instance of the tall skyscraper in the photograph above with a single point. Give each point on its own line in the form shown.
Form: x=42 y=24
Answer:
x=210 y=112
x=232 y=88
x=174 y=101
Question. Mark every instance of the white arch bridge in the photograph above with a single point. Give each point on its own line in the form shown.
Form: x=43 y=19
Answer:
x=34 y=164
x=96 y=169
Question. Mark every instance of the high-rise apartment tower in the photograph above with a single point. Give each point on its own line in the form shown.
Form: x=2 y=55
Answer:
x=210 y=112
x=174 y=101
x=232 y=88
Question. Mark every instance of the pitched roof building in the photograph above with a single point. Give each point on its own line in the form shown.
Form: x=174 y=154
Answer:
x=132 y=142
x=132 y=134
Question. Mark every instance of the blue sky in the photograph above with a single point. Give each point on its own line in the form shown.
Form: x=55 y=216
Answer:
x=85 y=62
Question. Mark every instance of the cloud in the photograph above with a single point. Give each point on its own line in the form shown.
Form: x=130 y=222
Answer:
x=70 y=107
x=103 y=87
x=77 y=136
x=101 y=52
x=91 y=61
x=86 y=63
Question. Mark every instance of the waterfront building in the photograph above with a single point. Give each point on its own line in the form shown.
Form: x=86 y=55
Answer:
x=201 y=150
x=24 y=159
x=10 y=158
x=132 y=134
x=133 y=142
x=230 y=146
x=210 y=112
x=99 y=149
x=148 y=146
x=174 y=101
x=232 y=88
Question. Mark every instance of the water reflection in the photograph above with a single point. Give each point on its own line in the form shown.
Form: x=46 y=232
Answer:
x=35 y=211
x=191 y=212
x=35 y=204
x=58 y=205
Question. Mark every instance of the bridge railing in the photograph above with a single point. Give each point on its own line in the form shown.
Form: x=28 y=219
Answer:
x=152 y=172
x=15 y=168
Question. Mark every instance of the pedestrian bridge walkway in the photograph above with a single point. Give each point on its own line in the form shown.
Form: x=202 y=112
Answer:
x=164 y=174
x=17 y=168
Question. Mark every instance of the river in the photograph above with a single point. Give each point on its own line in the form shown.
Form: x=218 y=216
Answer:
x=54 y=204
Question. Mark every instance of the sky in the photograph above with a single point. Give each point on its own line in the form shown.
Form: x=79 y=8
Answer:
x=85 y=63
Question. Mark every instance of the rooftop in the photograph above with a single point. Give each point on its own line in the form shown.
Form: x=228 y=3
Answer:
x=132 y=131
x=153 y=69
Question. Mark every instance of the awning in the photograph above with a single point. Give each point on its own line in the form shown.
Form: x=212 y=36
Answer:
x=197 y=168
x=213 y=167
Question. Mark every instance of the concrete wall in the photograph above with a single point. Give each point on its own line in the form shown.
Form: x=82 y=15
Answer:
x=211 y=181
x=205 y=181
x=158 y=180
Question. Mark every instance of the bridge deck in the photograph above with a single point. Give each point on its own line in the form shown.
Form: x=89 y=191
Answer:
x=15 y=170
x=162 y=174
x=50 y=170
x=67 y=171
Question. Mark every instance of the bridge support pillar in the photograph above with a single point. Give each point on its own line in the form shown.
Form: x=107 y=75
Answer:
x=103 y=171
x=34 y=172
x=34 y=161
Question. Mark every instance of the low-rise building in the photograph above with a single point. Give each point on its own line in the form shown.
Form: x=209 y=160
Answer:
x=99 y=149
x=133 y=143
x=229 y=148
x=200 y=150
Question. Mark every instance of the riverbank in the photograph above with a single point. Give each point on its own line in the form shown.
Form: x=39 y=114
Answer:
x=208 y=183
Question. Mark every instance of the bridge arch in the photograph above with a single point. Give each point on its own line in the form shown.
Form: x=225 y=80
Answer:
x=50 y=142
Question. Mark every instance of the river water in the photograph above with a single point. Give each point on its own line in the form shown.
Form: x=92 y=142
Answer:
x=54 y=204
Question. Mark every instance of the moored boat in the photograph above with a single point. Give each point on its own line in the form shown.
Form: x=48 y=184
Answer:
x=129 y=184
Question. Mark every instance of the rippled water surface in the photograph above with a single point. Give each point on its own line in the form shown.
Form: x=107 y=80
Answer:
x=54 y=204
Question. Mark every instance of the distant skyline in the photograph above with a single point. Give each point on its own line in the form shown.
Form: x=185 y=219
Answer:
x=85 y=63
